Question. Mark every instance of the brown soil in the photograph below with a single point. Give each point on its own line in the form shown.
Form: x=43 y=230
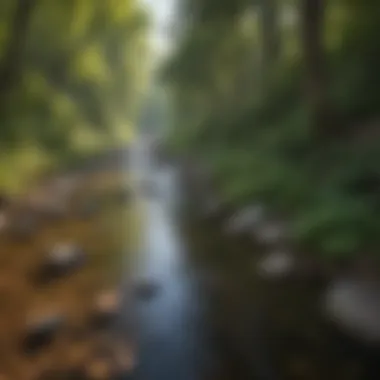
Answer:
x=74 y=345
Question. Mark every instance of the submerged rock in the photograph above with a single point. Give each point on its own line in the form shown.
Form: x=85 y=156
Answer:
x=41 y=331
x=277 y=264
x=353 y=305
x=146 y=289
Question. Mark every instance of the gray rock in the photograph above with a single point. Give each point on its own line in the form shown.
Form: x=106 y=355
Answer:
x=277 y=264
x=354 y=306
x=245 y=219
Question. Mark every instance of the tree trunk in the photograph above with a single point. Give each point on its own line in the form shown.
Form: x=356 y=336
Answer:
x=10 y=67
x=270 y=40
x=269 y=15
x=312 y=14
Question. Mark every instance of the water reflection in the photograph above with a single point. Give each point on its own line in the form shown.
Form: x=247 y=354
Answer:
x=171 y=337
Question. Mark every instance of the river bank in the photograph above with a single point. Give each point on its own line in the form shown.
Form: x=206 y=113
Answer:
x=92 y=218
x=274 y=325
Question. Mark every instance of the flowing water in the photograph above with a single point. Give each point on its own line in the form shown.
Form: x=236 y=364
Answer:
x=172 y=340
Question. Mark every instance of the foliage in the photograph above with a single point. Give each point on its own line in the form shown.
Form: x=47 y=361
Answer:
x=76 y=71
x=258 y=126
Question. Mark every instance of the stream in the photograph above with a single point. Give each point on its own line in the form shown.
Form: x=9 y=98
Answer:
x=210 y=316
x=172 y=342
